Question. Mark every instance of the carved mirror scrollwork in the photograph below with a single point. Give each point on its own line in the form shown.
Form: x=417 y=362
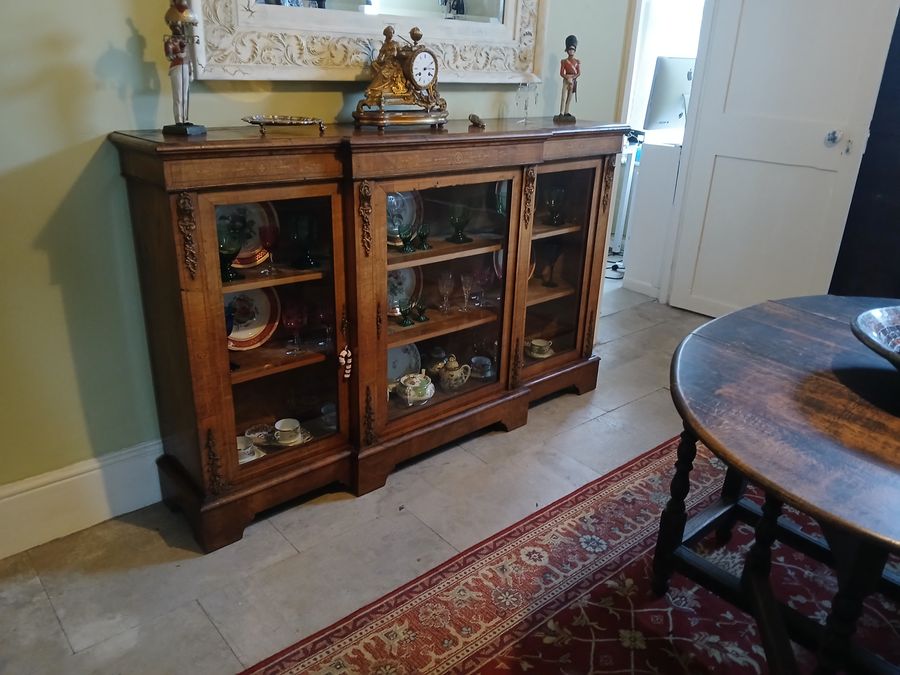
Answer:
x=248 y=40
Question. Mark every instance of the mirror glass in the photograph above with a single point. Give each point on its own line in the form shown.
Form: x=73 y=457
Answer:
x=483 y=11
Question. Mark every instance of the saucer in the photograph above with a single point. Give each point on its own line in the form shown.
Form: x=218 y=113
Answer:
x=257 y=453
x=545 y=355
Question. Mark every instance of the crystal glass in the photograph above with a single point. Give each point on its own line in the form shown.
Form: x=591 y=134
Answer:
x=467 y=281
x=268 y=237
x=294 y=319
x=484 y=277
x=459 y=218
x=445 y=288
x=325 y=319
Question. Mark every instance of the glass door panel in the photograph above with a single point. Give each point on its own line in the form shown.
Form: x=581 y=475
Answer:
x=446 y=279
x=279 y=322
x=557 y=267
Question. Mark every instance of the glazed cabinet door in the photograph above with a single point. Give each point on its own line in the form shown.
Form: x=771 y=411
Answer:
x=560 y=248
x=277 y=299
x=442 y=288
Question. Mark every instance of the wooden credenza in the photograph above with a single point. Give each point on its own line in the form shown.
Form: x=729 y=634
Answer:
x=504 y=232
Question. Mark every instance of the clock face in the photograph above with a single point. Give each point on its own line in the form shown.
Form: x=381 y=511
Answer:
x=424 y=69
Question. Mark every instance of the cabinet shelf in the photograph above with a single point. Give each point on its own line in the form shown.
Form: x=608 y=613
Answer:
x=397 y=407
x=441 y=251
x=437 y=325
x=285 y=276
x=538 y=293
x=268 y=360
x=544 y=231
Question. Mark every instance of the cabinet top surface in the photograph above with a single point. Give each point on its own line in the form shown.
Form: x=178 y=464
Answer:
x=287 y=137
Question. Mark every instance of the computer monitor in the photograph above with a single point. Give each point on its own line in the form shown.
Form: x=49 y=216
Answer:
x=670 y=93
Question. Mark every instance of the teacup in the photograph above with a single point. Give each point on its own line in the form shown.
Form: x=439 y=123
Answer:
x=329 y=415
x=287 y=430
x=482 y=366
x=540 y=346
x=245 y=448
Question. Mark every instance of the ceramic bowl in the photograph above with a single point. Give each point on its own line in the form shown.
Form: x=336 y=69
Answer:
x=879 y=330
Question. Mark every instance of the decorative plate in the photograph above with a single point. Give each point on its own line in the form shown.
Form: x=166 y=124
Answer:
x=879 y=330
x=498 y=263
x=402 y=361
x=404 y=286
x=403 y=208
x=256 y=316
x=252 y=253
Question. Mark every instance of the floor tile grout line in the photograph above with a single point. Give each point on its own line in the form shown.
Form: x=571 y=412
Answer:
x=221 y=635
x=282 y=535
x=639 y=398
x=50 y=601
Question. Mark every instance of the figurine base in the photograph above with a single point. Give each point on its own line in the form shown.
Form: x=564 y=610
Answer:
x=184 y=129
x=388 y=118
x=564 y=119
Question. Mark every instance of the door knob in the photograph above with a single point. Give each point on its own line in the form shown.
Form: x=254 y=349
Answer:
x=833 y=137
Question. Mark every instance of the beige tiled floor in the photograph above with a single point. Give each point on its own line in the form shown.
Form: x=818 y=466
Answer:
x=134 y=595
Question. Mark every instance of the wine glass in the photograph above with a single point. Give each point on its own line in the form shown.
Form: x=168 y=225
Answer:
x=294 y=319
x=552 y=251
x=300 y=236
x=484 y=277
x=325 y=318
x=445 y=288
x=555 y=201
x=268 y=237
x=467 y=281
x=231 y=240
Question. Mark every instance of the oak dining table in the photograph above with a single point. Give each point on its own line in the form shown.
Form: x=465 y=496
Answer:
x=785 y=395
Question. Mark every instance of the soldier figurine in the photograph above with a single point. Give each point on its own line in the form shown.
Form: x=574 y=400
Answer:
x=569 y=70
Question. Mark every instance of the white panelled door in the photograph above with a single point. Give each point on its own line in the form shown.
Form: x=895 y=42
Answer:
x=787 y=91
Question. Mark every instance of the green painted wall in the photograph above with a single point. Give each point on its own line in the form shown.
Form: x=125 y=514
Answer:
x=73 y=356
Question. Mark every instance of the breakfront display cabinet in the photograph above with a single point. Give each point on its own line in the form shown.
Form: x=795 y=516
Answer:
x=322 y=307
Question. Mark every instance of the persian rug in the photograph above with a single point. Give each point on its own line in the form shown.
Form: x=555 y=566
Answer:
x=566 y=590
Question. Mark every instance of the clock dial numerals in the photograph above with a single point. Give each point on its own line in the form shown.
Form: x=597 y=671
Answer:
x=424 y=69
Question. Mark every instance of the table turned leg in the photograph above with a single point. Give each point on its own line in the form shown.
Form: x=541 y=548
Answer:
x=674 y=516
x=755 y=586
x=858 y=565
x=732 y=490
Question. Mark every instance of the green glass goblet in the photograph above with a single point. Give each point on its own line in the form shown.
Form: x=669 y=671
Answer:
x=459 y=218
x=230 y=243
x=424 y=231
x=418 y=313
x=404 y=320
x=407 y=234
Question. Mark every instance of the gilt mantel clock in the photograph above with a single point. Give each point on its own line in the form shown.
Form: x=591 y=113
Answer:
x=404 y=88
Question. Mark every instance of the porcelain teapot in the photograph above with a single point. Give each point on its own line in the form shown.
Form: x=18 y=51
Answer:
x=453 y=376
x=415 y=388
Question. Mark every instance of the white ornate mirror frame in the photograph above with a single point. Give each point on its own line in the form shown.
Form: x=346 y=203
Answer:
x=242 y=40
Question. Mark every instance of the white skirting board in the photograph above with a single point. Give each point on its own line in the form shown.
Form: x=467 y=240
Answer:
x=39 y=509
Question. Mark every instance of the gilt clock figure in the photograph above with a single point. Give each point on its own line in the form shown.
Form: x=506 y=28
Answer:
x=403 y=89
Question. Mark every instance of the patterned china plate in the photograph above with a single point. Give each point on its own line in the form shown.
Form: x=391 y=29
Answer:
x=403 y=360
x=407 y=207
x=252 y=253
x=404 y=286
x=498 y=263
x=256 y=316
x=879 y=330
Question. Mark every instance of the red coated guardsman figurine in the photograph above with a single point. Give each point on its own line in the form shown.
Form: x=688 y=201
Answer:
x=177 y=46
x=569 y=70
